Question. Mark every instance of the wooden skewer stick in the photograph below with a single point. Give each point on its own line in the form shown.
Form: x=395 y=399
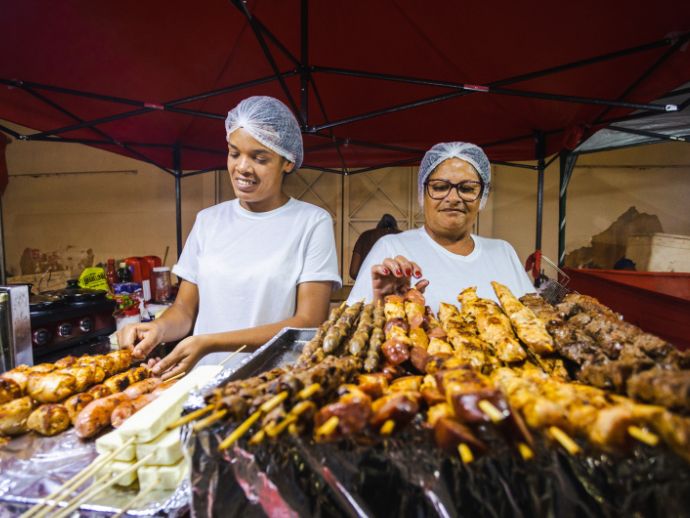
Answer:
x=564 y=440
x=77 y=480
x=134 y=501
x=525 y=451
x=491 y=411
x=644 y=436
x=277 y=429
x=175 y=377
x=274 y=402
x=239 y=431
x=208 y=421
x=258 y=437
x=99 y=487
x=309 y=391
x=302 y=407
x=247 y=424
x=465 y=453
x=191 y=417
x=387 y=427
x=233 y=353
x=328 y=427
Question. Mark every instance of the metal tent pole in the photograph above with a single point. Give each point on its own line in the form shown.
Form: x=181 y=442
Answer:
x=567 y=164
x=177 y=167
x=540 y=150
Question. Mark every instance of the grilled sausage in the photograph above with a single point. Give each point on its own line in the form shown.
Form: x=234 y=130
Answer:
x=128 y=408
x=96 y=415
x=142 y=387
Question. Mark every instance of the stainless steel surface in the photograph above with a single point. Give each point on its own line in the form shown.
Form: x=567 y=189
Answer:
x=16 y=326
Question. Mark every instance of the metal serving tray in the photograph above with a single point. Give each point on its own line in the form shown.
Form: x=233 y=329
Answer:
x=283 y=348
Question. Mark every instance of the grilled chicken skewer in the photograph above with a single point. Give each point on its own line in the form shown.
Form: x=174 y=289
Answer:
x=493 y=325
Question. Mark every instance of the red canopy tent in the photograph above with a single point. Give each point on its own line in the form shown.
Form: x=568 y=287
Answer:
x=374 y=84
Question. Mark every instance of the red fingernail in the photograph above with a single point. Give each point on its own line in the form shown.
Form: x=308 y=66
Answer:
x=417 y=273
x=398 y=271
x=408 y=272
x=385 y=271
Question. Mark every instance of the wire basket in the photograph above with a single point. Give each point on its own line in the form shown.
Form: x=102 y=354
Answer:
x=553 y=282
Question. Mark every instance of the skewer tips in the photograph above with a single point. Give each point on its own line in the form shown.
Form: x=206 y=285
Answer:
x=564 y=440
x=465 y=452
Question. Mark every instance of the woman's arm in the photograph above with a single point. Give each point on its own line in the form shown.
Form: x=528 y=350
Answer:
x=312 y=309
x=175 y=323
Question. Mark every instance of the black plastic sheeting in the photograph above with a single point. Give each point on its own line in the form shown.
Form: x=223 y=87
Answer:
x=407 y=476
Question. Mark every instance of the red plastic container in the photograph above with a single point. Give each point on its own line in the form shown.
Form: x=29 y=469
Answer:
x=153 y=261
x=657 y=302
x=134 y=264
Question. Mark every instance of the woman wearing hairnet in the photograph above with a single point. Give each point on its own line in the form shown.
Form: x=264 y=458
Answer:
x=453 y=186
x=252 y=265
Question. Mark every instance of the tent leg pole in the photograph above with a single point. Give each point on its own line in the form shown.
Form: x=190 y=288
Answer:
x=540 y=151
x=178 y=197
x=567 y=163
x=3 y=271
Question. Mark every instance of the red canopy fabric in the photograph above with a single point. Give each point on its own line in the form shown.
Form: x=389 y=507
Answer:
x=156 y=51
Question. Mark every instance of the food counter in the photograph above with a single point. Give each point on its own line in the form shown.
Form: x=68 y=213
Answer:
x=521 y=408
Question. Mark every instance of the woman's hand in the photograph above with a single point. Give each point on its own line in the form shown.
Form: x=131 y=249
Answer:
x=393 y=277
x=142 y=337
x=183 y=357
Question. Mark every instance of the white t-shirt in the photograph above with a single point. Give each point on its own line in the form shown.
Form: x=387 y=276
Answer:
x=448 y=273
x=247 y=265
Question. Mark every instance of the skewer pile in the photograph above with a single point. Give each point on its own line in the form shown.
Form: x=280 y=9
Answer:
x=480 y=367
x=49 y=397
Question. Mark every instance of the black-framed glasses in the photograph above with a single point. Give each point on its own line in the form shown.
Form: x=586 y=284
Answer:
x=468 y=190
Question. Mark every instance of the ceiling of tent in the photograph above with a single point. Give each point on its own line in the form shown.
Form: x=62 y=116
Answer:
x=152 y=58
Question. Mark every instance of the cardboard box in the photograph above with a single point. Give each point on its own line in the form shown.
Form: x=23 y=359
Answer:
x=660 y=252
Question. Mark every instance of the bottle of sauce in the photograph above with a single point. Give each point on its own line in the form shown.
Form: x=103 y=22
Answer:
x=111 y=273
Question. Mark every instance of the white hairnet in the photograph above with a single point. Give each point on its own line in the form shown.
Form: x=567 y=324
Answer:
x=470 y=153
x=271 y=123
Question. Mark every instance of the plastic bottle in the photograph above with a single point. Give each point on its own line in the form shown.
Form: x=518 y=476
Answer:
x=111 y=273
x=123 y=273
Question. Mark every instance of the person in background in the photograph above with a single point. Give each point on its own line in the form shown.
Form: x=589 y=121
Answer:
x=625 y=264
x=252 y=265
x=453 y=185
x=386 y=225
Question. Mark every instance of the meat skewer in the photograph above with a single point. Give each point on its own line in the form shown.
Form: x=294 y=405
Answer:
x=376 y=339
x=339 y=331
x=493 y=325
x=360 y=338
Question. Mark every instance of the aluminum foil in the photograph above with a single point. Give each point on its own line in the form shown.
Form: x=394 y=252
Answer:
x=32 y=467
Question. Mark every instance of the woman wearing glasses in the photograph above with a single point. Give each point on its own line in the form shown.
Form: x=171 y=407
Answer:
x=453 y=185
